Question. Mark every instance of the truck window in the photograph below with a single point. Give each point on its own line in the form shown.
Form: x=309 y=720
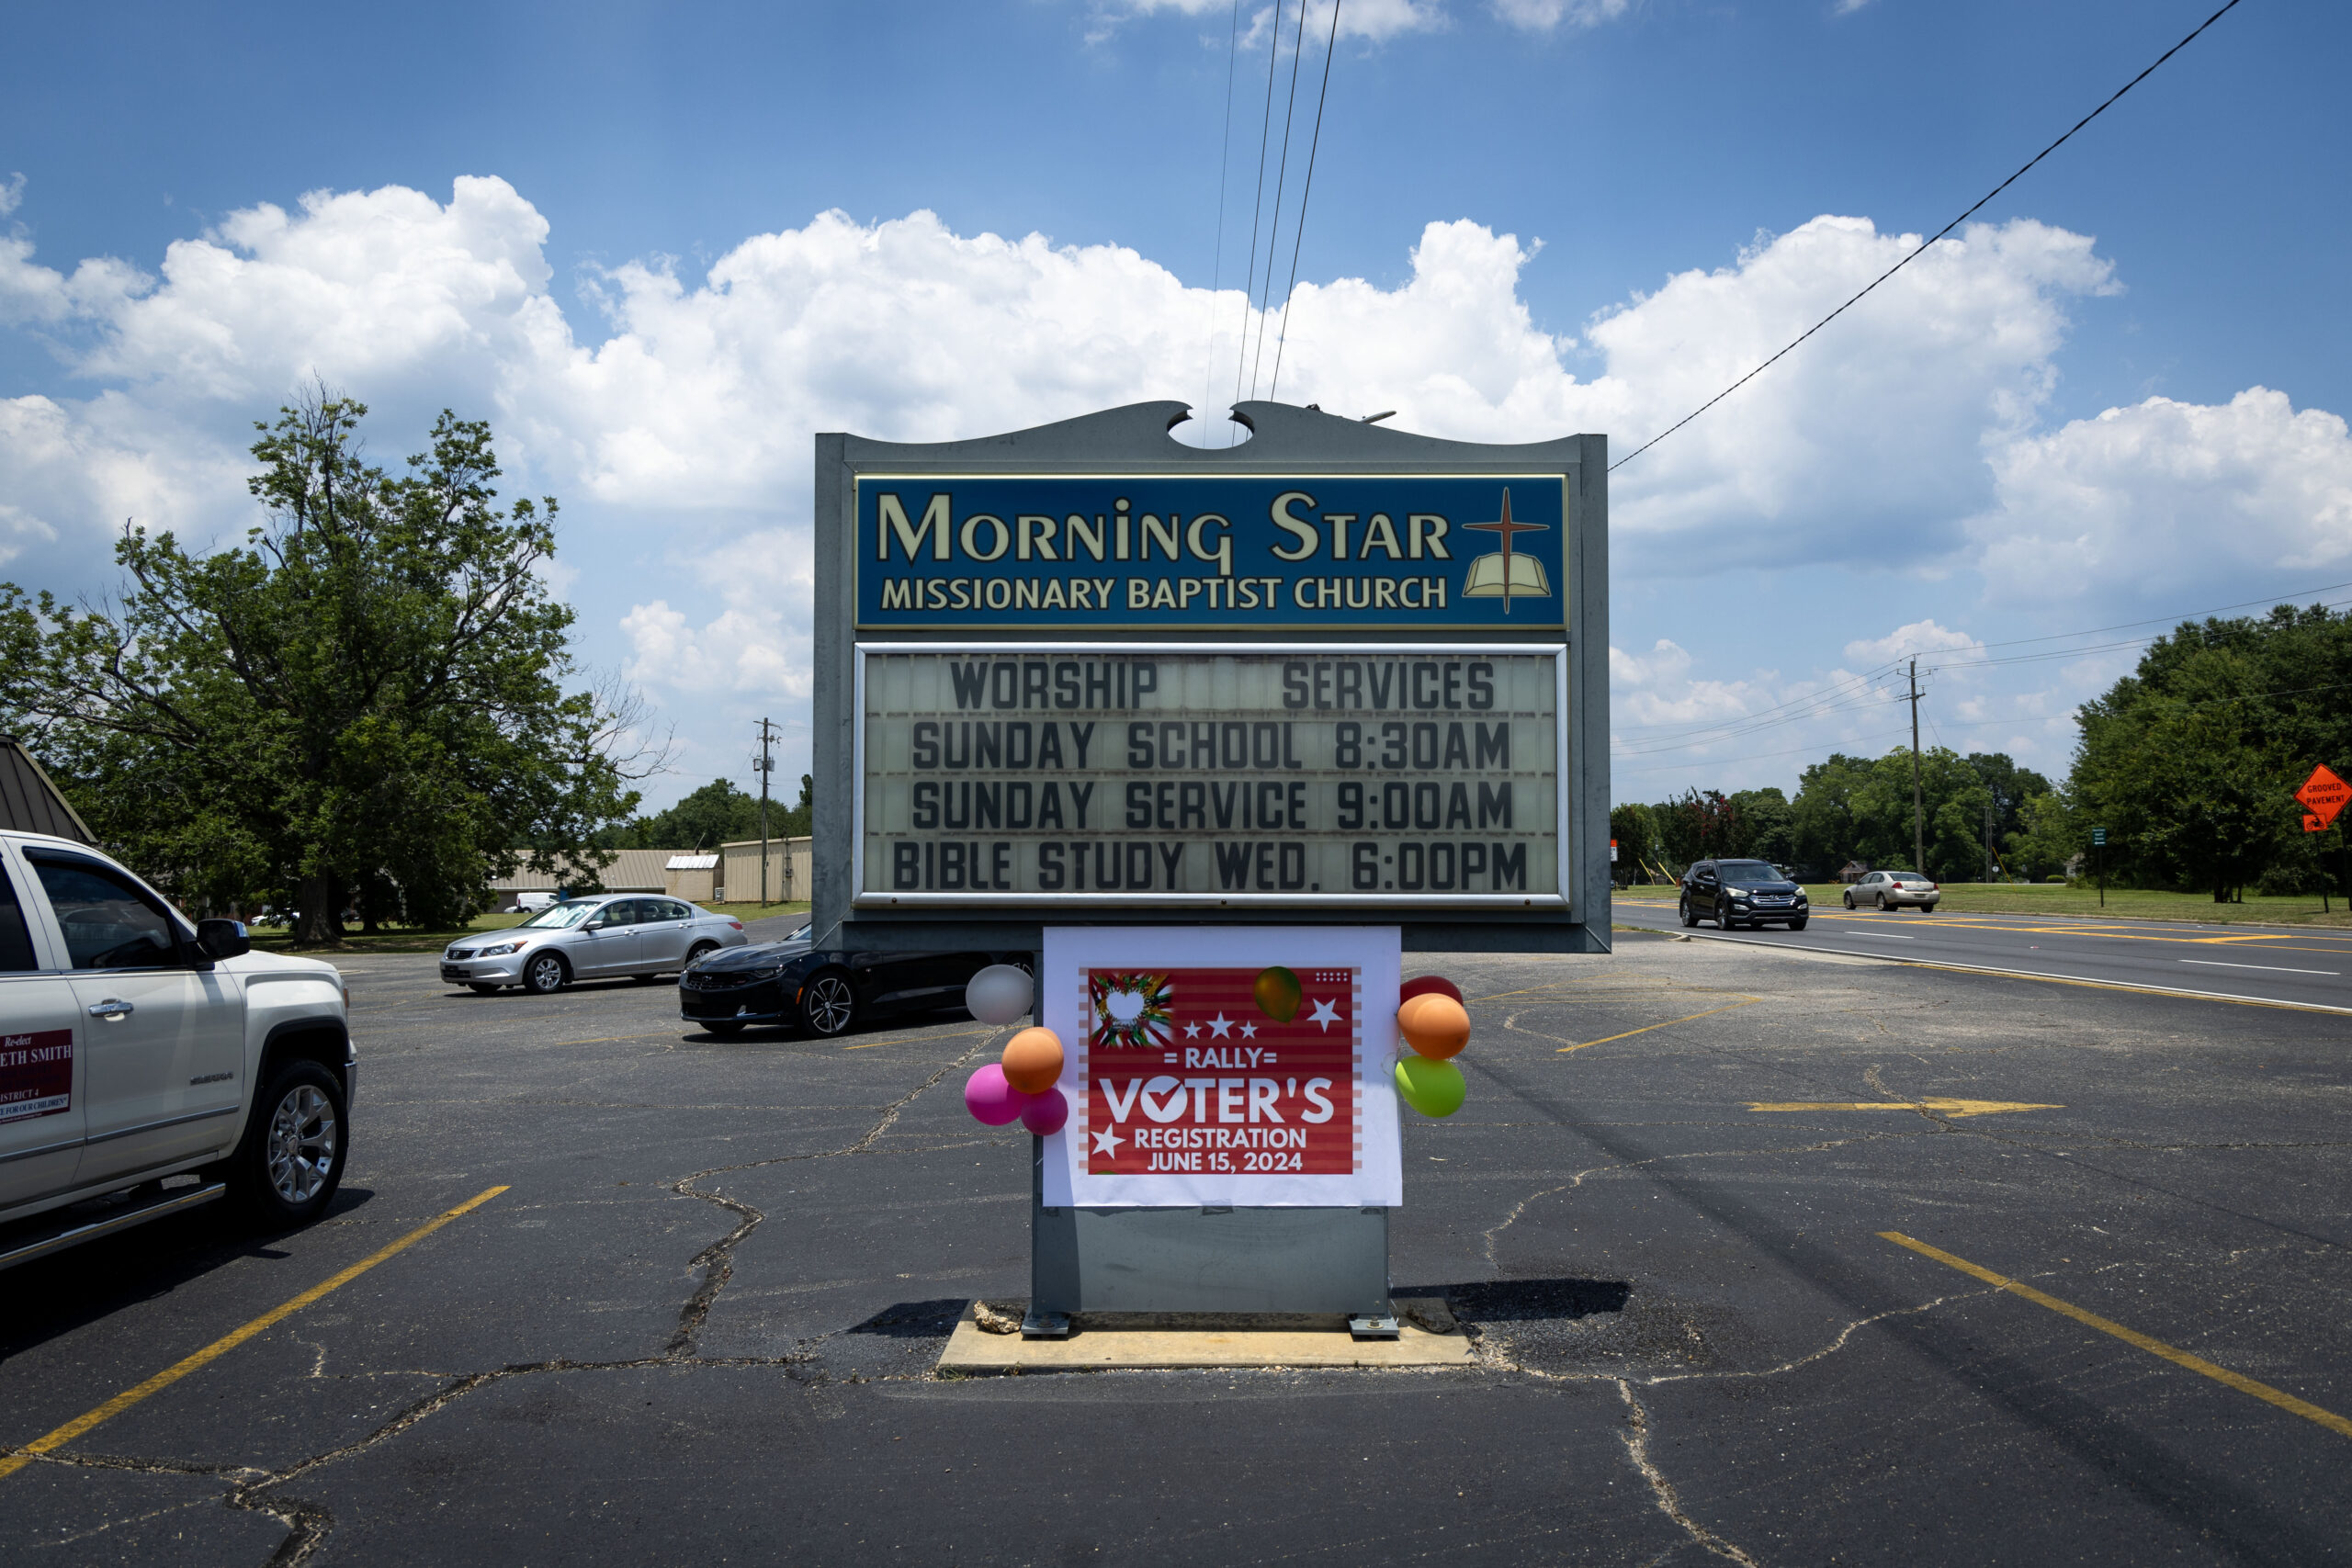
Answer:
x=15 y=942
x=109 y=924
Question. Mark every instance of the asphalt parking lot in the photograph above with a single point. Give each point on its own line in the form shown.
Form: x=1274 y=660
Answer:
x=1712 y=1211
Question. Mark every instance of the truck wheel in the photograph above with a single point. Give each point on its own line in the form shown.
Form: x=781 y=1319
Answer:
x=545 y=974
x=290 y=1162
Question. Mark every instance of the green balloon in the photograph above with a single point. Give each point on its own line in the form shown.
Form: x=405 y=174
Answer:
x=1433 y=1088
x=1278 y=994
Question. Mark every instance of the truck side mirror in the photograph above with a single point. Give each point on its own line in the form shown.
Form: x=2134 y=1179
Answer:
x=223 y=939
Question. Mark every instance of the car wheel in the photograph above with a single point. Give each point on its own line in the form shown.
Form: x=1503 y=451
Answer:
x=1927 y=909
x=289 y=1163
x=723 y=1027
x=485 y=990
x=1723 y=917
x=701 y=951
x=545 y=974
x=1796 y=925
x=1689 y=919
x=1849 y=900
x=827 y=1005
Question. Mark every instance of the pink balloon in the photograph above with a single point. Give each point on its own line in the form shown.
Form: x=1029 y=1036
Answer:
x=1045 y=1113
x=992 y=1099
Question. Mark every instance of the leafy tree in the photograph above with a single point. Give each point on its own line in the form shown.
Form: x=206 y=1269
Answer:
x=1823 y=829
x=365 y=701
x=1698 y=826
x=1951 y=800
x=2183 y=766
x=800 y=821
x=1635 y=830
x=2048 y=840
x=1768 y=825
x=2011 y=788
x=715 y=814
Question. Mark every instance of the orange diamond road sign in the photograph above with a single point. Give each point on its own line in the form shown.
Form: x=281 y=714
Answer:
x=2324 y=795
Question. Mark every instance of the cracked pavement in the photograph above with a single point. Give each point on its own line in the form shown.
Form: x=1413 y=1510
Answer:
x=700 y=1324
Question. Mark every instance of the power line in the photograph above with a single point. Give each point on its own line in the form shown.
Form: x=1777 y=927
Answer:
x=1256 y=210
x=1939 y=234
x=1282 y=177
x=1298 y=229
x=1224 y=173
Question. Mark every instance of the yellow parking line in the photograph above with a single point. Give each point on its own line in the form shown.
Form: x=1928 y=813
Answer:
x=16 y=1460
x=1648 y=1027
x=2262 y=1391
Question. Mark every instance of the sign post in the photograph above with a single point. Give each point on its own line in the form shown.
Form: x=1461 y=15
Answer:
x=2322 y=797
x=2098 y=843
x=1169 y=717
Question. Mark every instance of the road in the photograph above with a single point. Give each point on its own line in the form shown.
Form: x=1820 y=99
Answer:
x=2300 y=966
x=1722 y=1220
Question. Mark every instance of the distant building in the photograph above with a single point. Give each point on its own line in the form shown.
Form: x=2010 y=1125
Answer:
x=692 y=877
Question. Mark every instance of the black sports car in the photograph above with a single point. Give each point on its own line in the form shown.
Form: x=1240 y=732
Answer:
x=823 y=991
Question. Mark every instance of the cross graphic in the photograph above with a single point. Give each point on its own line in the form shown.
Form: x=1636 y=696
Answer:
x=1506 y=528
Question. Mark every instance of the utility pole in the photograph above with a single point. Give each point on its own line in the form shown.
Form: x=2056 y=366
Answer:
x=1918 y=814
x=767 y=766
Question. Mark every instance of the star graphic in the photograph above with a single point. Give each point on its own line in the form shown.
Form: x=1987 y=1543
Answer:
x=1221 y=1027
x=1108 y=1143
x=1249 y=1032
x=1191 y=1032
x=1325 y=1015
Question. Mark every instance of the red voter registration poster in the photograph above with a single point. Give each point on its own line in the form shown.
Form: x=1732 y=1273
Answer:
x=1197 y=1078
x=35 y=1074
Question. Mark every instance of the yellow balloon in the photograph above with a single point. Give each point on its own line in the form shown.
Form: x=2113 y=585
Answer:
x=1279 y=994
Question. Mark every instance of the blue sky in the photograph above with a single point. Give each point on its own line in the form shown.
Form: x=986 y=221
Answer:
x=1971 y=456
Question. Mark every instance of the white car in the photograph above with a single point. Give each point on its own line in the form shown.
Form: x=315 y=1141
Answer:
x=633 y=934
x=135 y=1048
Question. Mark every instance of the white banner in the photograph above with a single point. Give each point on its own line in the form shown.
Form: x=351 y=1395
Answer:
x=1240 y=1065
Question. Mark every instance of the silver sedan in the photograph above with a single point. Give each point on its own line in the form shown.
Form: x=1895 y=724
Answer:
x=1893 y=890
x=591 y=939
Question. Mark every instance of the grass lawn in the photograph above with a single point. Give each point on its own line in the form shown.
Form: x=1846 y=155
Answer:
x=2130 y=903
x=398 y=938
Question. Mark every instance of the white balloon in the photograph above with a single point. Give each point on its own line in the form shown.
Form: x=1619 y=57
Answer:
x=1000 y=993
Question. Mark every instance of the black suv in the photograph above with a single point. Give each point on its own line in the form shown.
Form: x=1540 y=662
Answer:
x=1730 y=892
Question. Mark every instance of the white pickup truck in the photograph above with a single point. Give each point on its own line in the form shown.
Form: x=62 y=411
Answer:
x=137 y=1052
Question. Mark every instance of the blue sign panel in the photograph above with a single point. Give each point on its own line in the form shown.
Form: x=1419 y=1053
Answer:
x=1226 y=552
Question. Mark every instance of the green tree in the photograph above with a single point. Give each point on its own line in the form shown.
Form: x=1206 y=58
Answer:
x=1823 y=830
x=800 y=821
x=1953 y=802
x=1766 y=824
x=1635 y=830
x=365 y=701
x=2046 y=841
x=715 y=814
x=2011 y=788
x=2183 y=767
x=1698 y=826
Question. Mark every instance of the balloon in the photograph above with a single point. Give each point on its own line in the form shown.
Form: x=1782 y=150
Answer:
x=1279 y=994
x=1434 y=1025
x=1426 y=984
x=1045 y=1113
x=1000 y=993
x=1433 y=1088
x=1033 y=1060
x=988 y=1097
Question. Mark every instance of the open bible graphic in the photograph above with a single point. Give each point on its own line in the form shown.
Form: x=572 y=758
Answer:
x=1507 y=575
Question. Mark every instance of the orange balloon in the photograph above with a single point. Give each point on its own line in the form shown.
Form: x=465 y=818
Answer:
x=1033 y=1060
x=1434 y=1024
